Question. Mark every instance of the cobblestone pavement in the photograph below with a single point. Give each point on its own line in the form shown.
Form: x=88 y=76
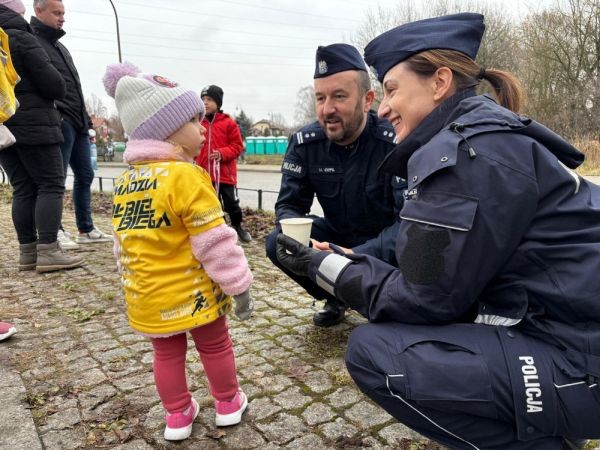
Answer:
x=88 y=379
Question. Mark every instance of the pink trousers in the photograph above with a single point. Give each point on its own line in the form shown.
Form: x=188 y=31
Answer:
x=216 y=353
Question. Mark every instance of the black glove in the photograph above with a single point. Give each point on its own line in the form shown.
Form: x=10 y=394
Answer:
x=299 y=256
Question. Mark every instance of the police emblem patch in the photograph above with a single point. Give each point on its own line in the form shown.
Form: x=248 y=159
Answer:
x=323 y=67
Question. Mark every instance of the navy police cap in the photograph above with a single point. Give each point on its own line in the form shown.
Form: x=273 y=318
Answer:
x=461 y=32
x=336 y=58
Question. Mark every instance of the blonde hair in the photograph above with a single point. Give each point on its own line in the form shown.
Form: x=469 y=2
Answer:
x=507 y=88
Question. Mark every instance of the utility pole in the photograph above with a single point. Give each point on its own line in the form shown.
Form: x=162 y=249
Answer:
x=118 y=34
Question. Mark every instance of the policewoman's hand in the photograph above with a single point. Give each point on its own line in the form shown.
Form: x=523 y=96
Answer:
x=299 y=256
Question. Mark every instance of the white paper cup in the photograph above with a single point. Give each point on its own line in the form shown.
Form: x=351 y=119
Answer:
x=297 y=228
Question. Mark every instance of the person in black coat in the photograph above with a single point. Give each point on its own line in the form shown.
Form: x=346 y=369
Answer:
x=76 y=152
x=34 y=163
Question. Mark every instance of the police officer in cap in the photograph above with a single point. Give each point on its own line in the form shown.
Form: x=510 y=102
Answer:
x=487 y=333
x=338 y=158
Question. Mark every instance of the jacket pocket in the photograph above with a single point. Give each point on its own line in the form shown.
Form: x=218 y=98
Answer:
x=446 y=371
x=442 y=209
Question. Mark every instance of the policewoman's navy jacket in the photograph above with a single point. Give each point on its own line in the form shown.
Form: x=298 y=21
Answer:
x=357 y=198
x=496 y=229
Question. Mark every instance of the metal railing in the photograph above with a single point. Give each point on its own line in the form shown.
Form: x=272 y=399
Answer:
x=107 y=184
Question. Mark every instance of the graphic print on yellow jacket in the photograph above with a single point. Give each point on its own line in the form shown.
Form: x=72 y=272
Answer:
x=167 y=217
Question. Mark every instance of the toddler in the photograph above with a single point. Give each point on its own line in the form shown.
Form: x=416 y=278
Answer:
x=178 y=260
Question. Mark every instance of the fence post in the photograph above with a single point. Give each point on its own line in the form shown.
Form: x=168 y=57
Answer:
x=100 y=184
x=260 y=192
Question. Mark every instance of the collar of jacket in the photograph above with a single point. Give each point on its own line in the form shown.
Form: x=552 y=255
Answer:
x=396 y=162
x=45 y=31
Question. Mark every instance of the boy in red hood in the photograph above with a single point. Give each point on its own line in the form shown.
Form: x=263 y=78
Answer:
x=219 y=155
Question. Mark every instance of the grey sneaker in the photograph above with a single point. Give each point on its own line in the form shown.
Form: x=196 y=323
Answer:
x=93 y=236
x=65 y=240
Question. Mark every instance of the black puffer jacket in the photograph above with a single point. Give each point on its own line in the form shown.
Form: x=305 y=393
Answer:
x=72 y=107
x=37 y=121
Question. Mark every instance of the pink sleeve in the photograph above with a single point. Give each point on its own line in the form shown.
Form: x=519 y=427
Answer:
x=223 y=260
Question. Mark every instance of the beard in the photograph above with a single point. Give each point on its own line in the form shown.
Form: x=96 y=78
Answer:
x=345 y=130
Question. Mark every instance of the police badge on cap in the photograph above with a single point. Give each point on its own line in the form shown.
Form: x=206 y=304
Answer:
x=461 y=32
x=336 y=58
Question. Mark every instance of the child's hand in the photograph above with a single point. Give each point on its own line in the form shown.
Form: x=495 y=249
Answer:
x=244 y=305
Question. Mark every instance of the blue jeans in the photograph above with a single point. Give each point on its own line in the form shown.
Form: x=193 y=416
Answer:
x=76 y=153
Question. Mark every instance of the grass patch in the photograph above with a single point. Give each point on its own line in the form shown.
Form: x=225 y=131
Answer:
x=79 y=315
x=326 y=342
x=591 y=150
x=264 y=159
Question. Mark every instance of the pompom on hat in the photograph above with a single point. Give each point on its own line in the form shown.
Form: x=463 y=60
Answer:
x=150 y=106
x=15 y=5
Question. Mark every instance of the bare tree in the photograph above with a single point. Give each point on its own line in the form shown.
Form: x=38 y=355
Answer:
x=498 y=45
x=563 y=66
x=95 y=106
x=115 y=128
x=278 y=121
x=305 y=110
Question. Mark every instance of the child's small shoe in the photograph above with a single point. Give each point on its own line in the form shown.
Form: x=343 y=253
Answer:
x=230 y=412
x=6 y=330
x=179 y=424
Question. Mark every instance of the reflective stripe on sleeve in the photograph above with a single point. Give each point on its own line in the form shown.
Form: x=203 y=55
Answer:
x=329 y=271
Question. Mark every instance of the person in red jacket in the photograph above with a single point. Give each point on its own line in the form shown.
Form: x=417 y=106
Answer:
x=219 y=155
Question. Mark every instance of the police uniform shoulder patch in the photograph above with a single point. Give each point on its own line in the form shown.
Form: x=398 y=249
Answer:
x=308 y=134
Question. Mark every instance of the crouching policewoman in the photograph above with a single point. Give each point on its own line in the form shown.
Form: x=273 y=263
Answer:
x=487 y=334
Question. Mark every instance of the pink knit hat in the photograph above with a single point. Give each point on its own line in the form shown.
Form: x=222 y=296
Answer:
x=16 y=5
x=150 y=106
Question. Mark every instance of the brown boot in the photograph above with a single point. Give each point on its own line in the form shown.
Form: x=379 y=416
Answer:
x=50 y=258
x=27 y=256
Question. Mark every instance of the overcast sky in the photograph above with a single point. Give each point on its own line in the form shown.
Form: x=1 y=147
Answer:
x=261 y=52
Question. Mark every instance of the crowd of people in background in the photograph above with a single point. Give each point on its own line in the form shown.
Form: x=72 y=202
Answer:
x=456 y=226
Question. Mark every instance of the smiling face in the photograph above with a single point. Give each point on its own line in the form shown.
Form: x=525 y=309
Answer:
x=190 y=137
x=407 y=99
x=52 y=14
x=342 y=106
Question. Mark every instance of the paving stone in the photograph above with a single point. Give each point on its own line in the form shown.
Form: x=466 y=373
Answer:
x=63 y=419
x=338 y=428
x=307 y=442
x=282 y=428
x=63 y=439
x=271 y=384
x=292 y=398
x=138 y=444
x=262 y=407
x=131 y=383
x=318 y=413
x=242 y=437
x=88 y=378
x=344 y=396
x=367 y=415
x=394 y=433
x=318 y=381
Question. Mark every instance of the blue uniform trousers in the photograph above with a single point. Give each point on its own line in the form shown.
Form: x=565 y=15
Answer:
x=474 y=386
x=321 y=232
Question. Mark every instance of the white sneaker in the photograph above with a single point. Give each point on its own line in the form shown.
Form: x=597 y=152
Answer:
x=65 y=240
x=93 y=236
